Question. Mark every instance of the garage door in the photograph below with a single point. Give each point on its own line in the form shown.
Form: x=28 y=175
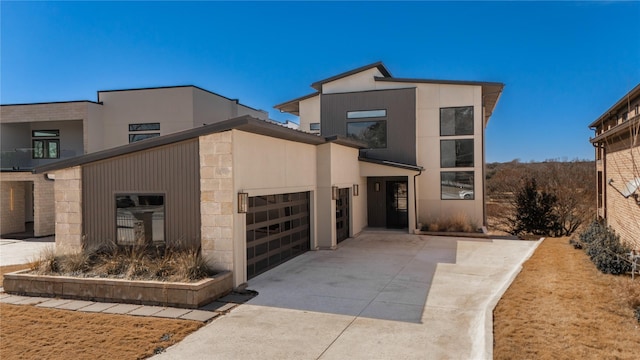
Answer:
x=277 y=230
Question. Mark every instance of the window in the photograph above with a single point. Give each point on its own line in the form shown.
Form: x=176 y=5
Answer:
x=456 y=121
x=138 y=137
x=456 y=185
x=372 y=133
x=366 y=114
x=314 y=126
x=46 y=144
x=140 y=219
x=456 y=153
x=141 y=131
x=144 y=127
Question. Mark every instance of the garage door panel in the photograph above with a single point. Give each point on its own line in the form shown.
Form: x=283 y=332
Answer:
x=277 y=230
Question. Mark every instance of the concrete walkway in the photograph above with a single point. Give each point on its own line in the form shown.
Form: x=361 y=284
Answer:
x=204 y=314
x=15 y=252
x=378 y=296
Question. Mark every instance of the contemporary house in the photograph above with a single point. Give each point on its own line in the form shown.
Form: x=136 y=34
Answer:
x=372 y=151
x=33 y=135
x=617 y=149
x=432 y=129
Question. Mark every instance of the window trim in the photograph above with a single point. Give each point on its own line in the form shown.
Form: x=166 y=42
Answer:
x=473 y=189
x=366 y=114
x=386 y=143
x=455 y=166
x=164 y=220
x=473 y=128
x=154 y=128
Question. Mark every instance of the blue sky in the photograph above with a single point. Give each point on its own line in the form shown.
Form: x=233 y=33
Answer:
x=563 y=63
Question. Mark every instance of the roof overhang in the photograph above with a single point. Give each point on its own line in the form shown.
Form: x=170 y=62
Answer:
x=620 y=130
x=491 y=91
x=379 y=65
x=614 y=109
x=293 y=106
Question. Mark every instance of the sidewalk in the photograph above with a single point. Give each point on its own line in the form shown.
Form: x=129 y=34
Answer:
x=15 y=252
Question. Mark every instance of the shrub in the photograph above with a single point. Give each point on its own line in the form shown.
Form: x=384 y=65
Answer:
x=605 y=249
x=46 y=262
x=534 y=211
x=459 y=222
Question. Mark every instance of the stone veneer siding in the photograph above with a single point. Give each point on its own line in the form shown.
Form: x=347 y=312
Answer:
x=44 y=210
x=13 y=206
x=217 y=199
x=68 y=199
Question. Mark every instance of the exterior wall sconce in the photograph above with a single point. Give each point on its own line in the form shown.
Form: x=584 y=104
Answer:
x=243 y=203
x=377 y=186
x=356 y=190
x=334 y=193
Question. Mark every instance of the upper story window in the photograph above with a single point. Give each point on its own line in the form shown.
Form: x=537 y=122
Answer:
x=366 y=114
x=143 y=131
x=456 y=121
x=46 y=144
x=372 y=133
x=456 y=153
x=314 y=126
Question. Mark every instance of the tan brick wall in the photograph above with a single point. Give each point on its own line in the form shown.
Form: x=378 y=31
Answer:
x=44 y=112
x=216 y=199
x=13 y=206
x=68 y=210
x=622 y=165
x=44 y=209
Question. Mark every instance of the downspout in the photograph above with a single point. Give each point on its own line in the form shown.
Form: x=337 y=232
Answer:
x=415 y=197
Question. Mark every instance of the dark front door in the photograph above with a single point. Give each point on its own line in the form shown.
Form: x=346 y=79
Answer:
x=342 y=214
x=397 y=204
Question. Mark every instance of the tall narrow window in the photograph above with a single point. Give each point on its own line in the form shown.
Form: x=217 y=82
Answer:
x=143 y=131
x=46 y=144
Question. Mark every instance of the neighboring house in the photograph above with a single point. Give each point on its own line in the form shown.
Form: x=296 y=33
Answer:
x=33 y=135
x=436 y=126
x=253 y=194
x=617 y=148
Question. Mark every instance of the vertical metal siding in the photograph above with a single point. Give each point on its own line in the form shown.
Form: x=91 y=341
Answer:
x=401 y=119
x=172 y=170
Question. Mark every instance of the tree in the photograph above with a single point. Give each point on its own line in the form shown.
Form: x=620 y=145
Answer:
x=534 y=211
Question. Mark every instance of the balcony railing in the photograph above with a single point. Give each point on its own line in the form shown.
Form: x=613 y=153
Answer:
x=21 y=159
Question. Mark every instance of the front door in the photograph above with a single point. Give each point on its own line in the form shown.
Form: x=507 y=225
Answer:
x=397 y=204
x=342 y=214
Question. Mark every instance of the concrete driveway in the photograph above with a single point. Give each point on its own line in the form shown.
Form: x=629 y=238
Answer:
x=381 y=295
x=14 y=252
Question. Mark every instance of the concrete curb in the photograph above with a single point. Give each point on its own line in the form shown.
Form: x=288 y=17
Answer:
x=493 y=302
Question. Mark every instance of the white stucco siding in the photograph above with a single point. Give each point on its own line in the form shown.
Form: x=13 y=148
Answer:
x=430 y=99
x=309 y=112
x=171 y=107
x=362 y=81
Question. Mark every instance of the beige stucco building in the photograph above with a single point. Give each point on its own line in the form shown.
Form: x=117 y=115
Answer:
x=437 y=126
x=32 y=135
x=617 y=149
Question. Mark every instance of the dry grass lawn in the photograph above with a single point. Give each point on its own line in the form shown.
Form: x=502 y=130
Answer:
x=561 y=307
x=29 y=332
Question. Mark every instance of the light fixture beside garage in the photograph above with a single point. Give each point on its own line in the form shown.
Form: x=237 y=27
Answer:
x=377 y=186
x=356 y=190
x=243 y=202
x=334 y=193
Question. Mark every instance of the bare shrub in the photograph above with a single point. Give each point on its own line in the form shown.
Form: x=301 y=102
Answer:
x=46 y=262
x=458 y=222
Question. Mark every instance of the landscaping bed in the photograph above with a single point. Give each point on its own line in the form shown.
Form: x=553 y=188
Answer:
x=175 y=294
